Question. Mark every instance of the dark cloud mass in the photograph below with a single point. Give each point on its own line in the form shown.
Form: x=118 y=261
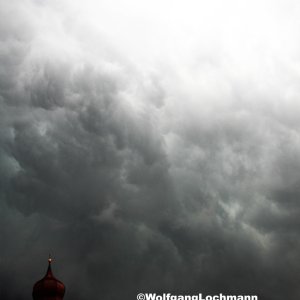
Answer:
x=144 y=178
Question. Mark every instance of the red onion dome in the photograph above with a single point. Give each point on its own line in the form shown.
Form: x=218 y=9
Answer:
x=48 y=288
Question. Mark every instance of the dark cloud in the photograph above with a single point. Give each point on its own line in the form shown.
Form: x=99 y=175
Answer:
x=132 y=183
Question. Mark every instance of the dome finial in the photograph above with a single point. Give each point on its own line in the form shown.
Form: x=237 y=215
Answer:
x=49 y=271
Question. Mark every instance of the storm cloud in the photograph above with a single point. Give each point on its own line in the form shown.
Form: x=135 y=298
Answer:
x=150 y=147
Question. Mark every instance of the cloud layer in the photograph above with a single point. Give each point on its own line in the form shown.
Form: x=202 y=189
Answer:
x=150 y=147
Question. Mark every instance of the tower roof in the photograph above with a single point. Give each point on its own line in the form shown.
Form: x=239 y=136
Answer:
x=48 y=288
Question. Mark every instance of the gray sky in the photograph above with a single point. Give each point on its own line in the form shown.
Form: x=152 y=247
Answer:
x=150 y=146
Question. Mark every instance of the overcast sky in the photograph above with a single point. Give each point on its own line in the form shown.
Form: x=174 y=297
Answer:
x=150 y=146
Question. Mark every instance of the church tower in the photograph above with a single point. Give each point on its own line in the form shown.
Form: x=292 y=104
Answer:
x=48 y=288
